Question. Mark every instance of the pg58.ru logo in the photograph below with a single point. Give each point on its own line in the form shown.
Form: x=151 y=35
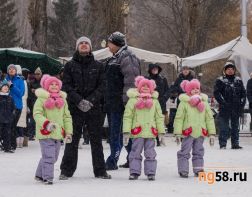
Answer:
x=225 y=176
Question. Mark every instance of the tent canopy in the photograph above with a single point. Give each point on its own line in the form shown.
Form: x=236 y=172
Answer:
x=28 y=59
x=239 y=50
x=147 y=56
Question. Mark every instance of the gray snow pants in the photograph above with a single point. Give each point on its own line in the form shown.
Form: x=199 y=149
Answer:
x=196 y=144
x=135 y=157
x=50 y=151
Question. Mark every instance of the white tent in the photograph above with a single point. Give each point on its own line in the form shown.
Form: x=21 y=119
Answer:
x=239 y=50
x=147 y=56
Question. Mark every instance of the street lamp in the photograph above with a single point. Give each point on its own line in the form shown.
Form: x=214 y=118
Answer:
x=125 y=11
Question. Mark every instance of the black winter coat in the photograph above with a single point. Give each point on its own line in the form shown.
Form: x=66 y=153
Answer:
x=230 y=94
x=121 y=70
x=31 y=95
x=249 y=92
x=179 y=80
x=83 y=78
x=7 y=109
x=162 y=89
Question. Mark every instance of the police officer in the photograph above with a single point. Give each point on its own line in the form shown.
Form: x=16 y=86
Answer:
x=231 y=96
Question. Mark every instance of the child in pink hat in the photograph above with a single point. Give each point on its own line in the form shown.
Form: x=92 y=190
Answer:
x=143 y=121
x=53 y=123
x=193 y=122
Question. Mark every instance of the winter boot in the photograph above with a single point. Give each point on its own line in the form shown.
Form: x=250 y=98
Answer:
x=183 y=174
x=63 y=177
x=151 y=177
x=9 y=151
x=126 y=165
x=39 y=179
x=196 y=174
x=236 y=147
x=18 y=142
x=25 y=142
x=48 y=182
x=21 y=141
x=133 y=176
x=104 y=176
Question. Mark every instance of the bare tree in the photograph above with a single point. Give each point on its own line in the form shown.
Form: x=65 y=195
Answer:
x=37 y=15
x=189 y=23
x=100 y=18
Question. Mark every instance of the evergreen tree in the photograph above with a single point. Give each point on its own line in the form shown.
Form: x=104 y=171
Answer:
x=64 y=28
x=8 y=30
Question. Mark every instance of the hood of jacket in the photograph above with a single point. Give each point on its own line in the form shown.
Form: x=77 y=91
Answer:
x=42 y=93
x=186 y=98
x=133 y=93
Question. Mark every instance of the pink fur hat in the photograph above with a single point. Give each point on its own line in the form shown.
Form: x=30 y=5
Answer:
x=188 y=86
x=46 y=80
x=140 y=81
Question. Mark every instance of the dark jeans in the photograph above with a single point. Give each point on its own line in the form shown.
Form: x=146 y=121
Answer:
x=5 y=132
x=227 y=129
x=31 y=126
x=14 y=129
x=20 y=132
x=171 y=120
x=70 y=158
x=115 y=138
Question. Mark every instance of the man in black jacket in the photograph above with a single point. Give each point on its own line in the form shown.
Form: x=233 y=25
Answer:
x=121 y=70
x=231 y=96
x=83 y=82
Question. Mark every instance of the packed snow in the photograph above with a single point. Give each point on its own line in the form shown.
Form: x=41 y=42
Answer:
x=17 y=174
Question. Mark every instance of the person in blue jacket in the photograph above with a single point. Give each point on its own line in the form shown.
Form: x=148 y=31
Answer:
x=17 y=89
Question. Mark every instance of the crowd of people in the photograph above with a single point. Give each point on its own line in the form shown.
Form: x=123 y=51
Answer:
x=54 y=108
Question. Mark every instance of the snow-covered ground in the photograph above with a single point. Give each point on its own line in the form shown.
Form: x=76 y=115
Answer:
x=17 y=175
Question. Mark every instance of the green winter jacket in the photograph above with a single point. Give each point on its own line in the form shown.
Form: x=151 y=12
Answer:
x=61 y=117
x=147 y=119
x=188 y=116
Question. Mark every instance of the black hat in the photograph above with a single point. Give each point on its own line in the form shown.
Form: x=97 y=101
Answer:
x=151 y=66
x=229 y=64
x=26 y=70
x=117 y=38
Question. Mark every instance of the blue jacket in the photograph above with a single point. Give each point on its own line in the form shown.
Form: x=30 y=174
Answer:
x=17 y=90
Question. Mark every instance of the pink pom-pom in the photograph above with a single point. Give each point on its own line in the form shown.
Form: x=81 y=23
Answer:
x=59 y=102
x=140 y=104
x=194 y=100
x=49 y=103
x=148 y=103
x=138 y=79
x=201 y=106
x=183 y=85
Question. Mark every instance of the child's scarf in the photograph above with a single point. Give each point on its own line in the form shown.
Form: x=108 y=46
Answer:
x=144 y=101
x=55 y=100
x=196 y=101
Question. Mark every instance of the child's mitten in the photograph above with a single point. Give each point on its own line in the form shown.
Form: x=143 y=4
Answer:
x=178 y=139
x=126 y=137
x=211 y=140
x=51 y=127
x=68 y=138
x=162 y=139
